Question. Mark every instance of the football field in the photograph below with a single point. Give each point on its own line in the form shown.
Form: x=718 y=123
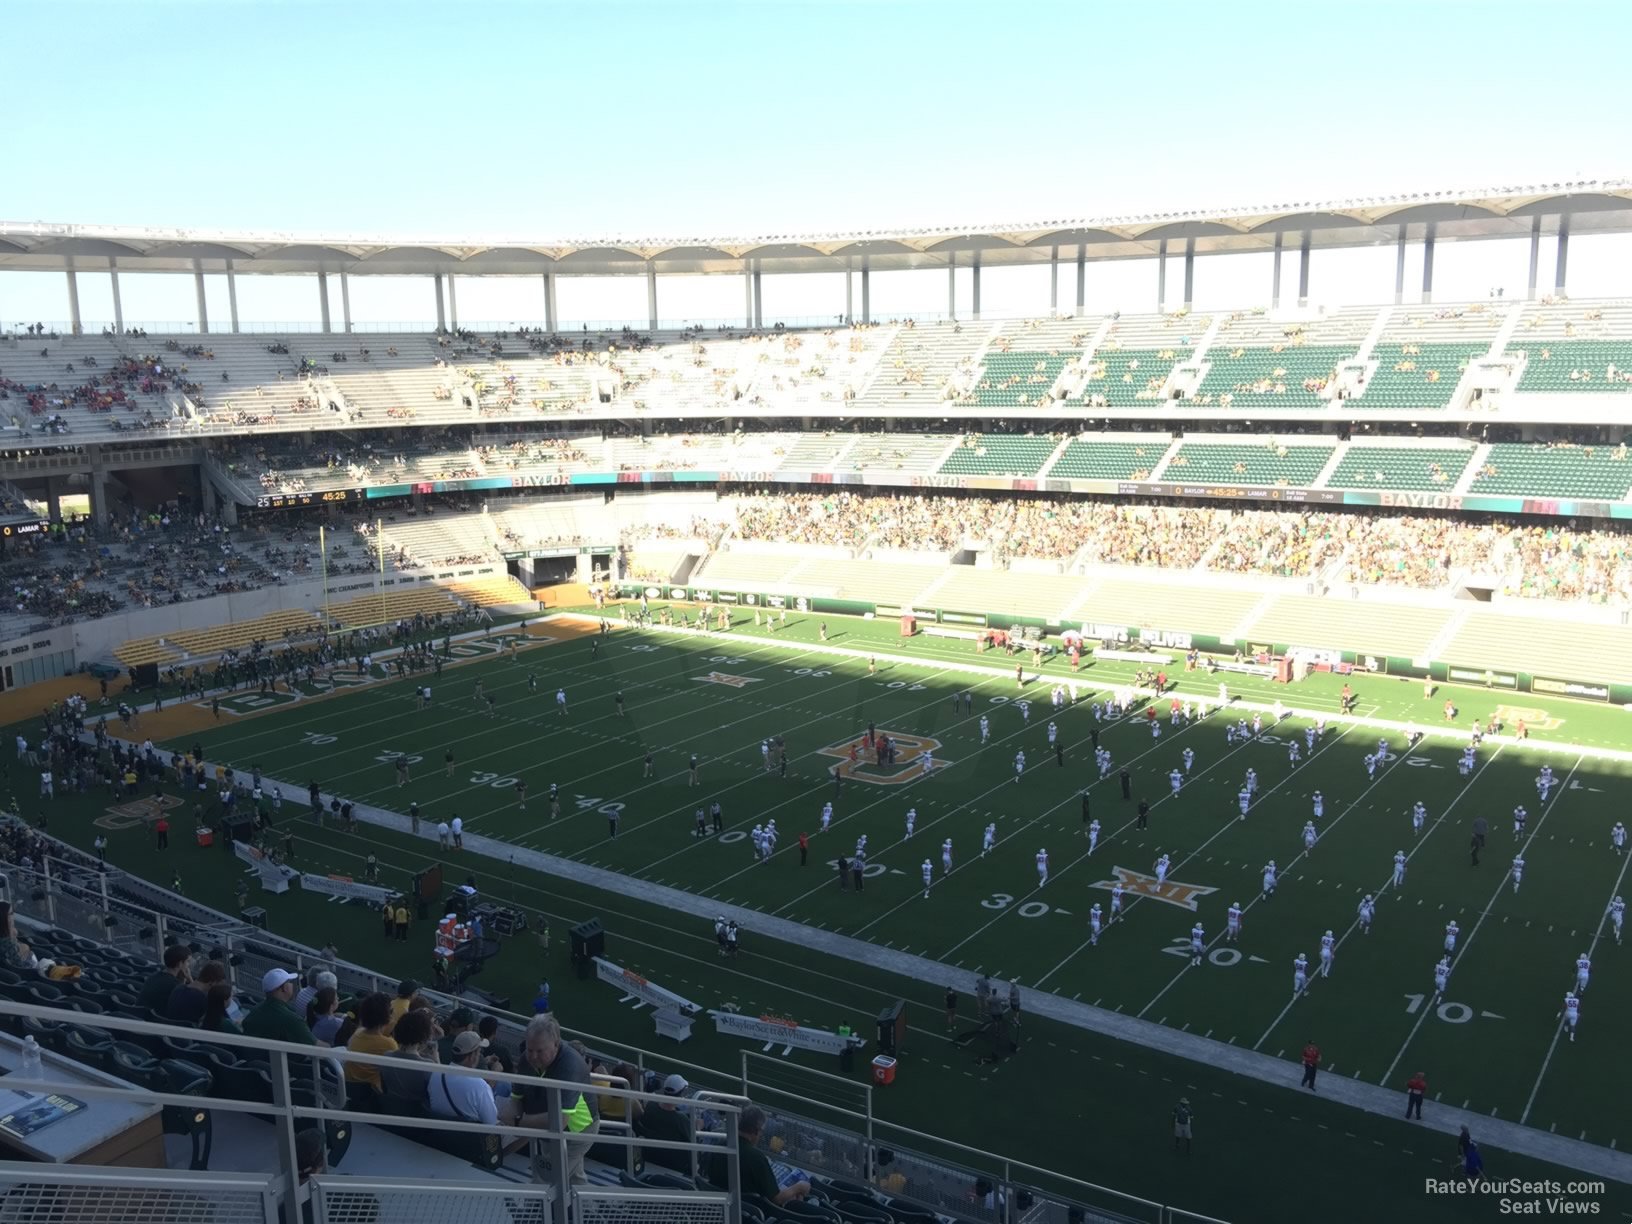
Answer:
x=1491 y=1042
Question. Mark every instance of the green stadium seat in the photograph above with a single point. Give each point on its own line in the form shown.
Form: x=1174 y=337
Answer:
x=1017 y=379
x=1527 y=469
x=1214 y=463
x=1412 y=468
x=1130 y=377
x=1090 y=460
x=1575 y=366
x=1417 y=376
x=999 y=455
x=1277 y=376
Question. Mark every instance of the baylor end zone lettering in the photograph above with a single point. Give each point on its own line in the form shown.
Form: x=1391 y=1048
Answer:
x=908 y=765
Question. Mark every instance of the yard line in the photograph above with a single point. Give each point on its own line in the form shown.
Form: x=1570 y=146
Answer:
x=1219 y=832
x=1162 y=799
x=1485 y=913
x=1130 y=719
x=1389 y=880
x=1558 y=1030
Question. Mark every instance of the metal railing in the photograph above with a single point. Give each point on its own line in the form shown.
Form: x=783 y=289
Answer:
x=293 y=1066
x=851 y=1144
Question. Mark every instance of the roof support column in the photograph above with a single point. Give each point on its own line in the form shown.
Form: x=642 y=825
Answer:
x=1275 y=276
x=975 y=305
x=232 y=296
x=1054 y=280
x=748 y=295
x=1563 y=264
x=1535 y=255
x=1082 y=277
x=549 y=302
x=866 y=292
x=759 y=300
x=951 y=284
x=345 y=301
x=118 y=305
x=1189 y=272
x=74 y=324
x=1161 y=275
x=322 y=299
x=1428 y=262
x=441 y=314
x=198 y=293
x=849 y=295
x=453 y=304
x=1303 y=269
x=1399 y=267
x=651 y=297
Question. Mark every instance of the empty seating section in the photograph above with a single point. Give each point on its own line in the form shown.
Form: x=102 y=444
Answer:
x=138 y=651
x=968 y=589
x=272 y=628
x=1528 y=469
x=441 y=540
x=1026 y=359
x=921 y=361
x=1403 y=631
x=385 y=606
x=655 y=560
x=1255 y=362
x=916 y=453
x=999 y=455
x=1575 y=347
x=547 y=524
x=496 y=590
x=814 y=371
x=1559 y=650
x=1166 y=605
x=758 y=452
x=1410 y=468
x=1421 y=355
x=1085 y=459
x=815 y=453
x=750 y=570
x=1130 y=366
x=885 y=582
x=1271 y=464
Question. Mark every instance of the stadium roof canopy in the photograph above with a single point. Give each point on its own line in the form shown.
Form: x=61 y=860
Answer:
x=1592 y=206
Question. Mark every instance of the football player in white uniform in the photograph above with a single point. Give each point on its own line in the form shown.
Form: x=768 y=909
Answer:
x=1042 y=868
x=1419 y=816
x=827 y=816
x=1617 y=915
x=1320 y=805
x=1309 y=738
x=1093 y=835
x=1243 y=800
x=1019 y=765
x=1328 y=949
x=1399 y=870
x=861 y=846
x=1094 y=919
x=912 y=820
x=1162 y=865
x=1053 y=733
x=1116 y=901
x=988 y=839
x=1300 y=975
x=1308 y=836
x=985 y=729
x=1518 y=871
x=1442 y=975
x=1189 y=758
x=1269 y=881
x=1617 y=838
x=1198 y=941
x=1175 y=780
x=1292 y=755
x=1367 y=911
x=1451 y=932
x=1572 y=1012
x=946 y=856
x=1232 y=923
x=1583 y=971
x=929 y=876
x=1519 y=817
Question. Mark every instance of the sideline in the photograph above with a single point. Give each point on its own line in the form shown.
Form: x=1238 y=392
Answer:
x=1576 y=1154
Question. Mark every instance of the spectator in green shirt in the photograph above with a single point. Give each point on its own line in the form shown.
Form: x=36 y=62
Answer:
x=275 y=1018
x=756 y=1172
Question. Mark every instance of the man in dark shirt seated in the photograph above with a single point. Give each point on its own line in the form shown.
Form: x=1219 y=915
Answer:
x=156 y=991
x=671 y=1121
x=757 y=1175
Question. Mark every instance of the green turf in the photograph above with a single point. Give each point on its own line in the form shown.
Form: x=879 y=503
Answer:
x=1361 y=1016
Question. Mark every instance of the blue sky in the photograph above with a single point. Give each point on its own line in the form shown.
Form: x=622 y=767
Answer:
x=551 y=120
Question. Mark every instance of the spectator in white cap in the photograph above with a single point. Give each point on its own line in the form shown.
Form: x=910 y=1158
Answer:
x=274 y=1018
x=670 y=1121
x=464 y=1098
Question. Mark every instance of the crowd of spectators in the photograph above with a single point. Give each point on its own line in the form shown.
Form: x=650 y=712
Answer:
x=1564 y=561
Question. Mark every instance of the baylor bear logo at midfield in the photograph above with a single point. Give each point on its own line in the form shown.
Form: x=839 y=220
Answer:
x=909 y=764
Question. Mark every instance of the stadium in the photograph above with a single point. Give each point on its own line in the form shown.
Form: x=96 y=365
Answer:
x=761 y=758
